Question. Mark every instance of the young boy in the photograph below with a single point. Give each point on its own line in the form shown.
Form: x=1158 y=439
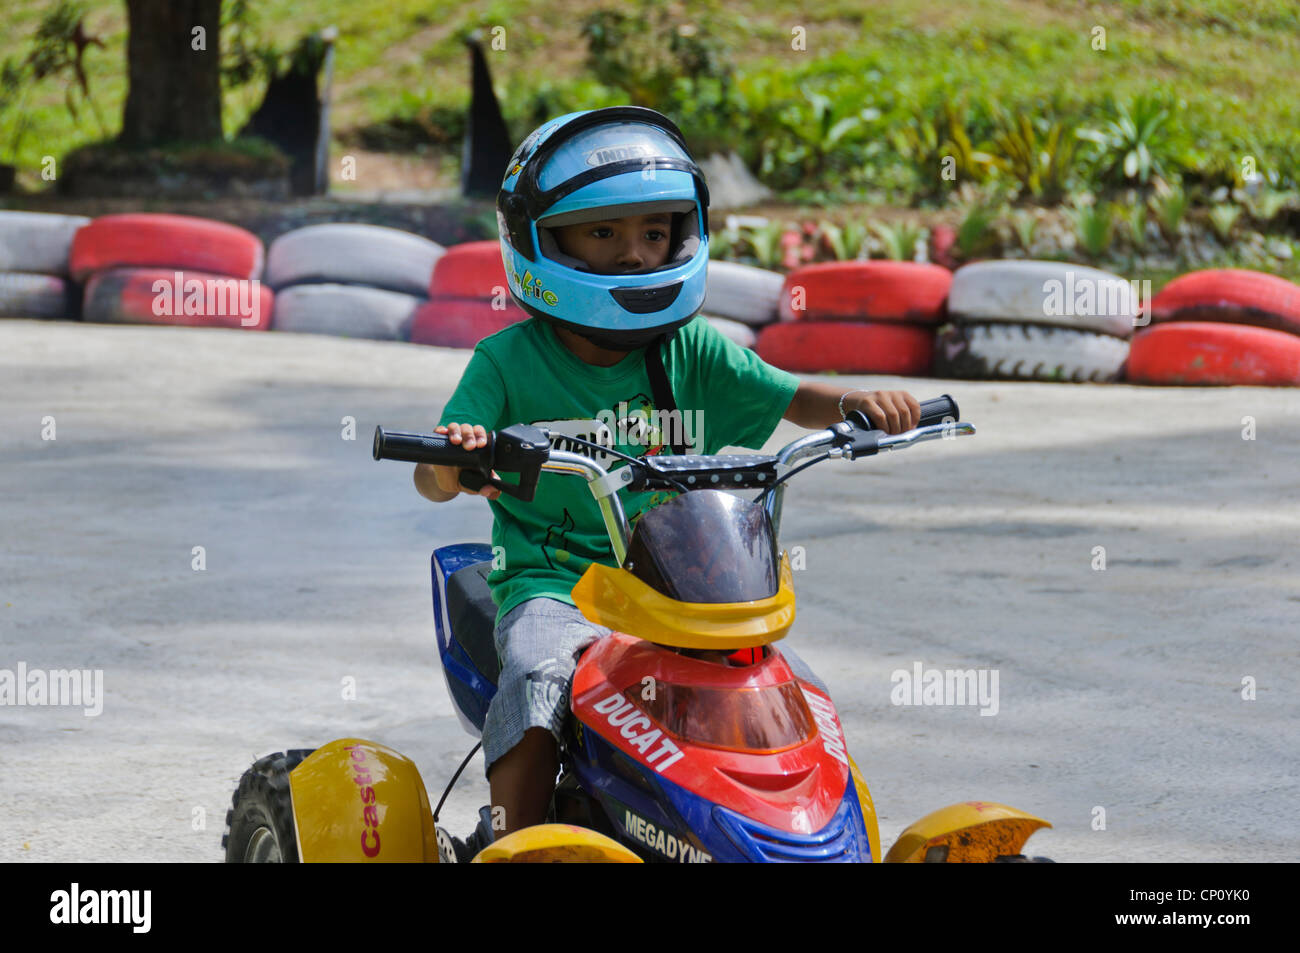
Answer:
x=628 y=256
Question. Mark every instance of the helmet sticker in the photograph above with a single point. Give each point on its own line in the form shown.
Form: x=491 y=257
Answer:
x=607 y=154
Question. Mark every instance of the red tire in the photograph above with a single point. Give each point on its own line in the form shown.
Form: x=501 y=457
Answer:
x=848 y=347
x=461 y=322
x=1185 y=352
x=1232 y=295
x=133 y=296
x=149 y=240
x=469 y=270
x=866 y=291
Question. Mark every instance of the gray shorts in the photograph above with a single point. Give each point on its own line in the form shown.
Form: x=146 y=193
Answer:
x=539 y=642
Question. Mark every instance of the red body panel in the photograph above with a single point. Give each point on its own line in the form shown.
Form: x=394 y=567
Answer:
x=796 y=790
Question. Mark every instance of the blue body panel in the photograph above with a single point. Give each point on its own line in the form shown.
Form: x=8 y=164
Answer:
x=696 y=824
x=470 y=689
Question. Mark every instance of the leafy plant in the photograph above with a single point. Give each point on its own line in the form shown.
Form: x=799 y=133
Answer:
x=1136 y=220
x=808 y=134
x=765 y=241
x=899 y=240
x=845 y=241
x=1266 y=203
x=1040 y=163
x=1222 y=218
x=1024 y=223
x=1133 y=145
x=932 y=146
x=643 y=51
x=1170 y=206
x=1094 y=225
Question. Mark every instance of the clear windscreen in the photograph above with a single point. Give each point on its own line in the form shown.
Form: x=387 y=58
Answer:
x=706 y=546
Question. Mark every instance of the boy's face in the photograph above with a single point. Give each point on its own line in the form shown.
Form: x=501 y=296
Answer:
x=619 y=245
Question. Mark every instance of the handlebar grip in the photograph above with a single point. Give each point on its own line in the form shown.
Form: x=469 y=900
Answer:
x=934 y=411
x=430 y=448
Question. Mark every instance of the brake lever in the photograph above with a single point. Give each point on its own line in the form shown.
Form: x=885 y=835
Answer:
x=519 y=448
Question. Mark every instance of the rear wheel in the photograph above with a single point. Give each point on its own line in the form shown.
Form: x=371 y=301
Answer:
x=259 y=824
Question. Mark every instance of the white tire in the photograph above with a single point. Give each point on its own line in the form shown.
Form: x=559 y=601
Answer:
x=36 y=242
x=743 y=293
x=1044 y=292
x=34 y=296
x=742 y=334
x=346 y=311
x=1027 y=352
x=369 y=255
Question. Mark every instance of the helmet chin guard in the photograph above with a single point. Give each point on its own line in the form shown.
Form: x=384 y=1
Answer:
x=599 y=165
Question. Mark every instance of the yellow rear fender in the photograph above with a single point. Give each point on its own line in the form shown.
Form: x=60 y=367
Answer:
x=555 y=844
x=973 y=832
x=357 y=801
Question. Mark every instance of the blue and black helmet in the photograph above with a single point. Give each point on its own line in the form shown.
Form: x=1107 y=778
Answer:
x=598 y=165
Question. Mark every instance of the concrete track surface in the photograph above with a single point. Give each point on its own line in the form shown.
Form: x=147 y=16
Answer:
x=1120 y=690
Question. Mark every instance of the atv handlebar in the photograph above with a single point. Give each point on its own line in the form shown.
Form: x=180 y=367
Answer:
x=526 y=450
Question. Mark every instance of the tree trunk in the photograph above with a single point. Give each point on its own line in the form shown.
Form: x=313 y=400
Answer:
x=175 y=87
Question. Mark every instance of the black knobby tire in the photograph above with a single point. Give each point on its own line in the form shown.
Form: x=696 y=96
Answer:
x=259 y=824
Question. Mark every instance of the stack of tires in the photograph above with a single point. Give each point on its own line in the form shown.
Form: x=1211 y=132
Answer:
x=741 y=300
x=468 y=298
x=1036 y=320
x=350 y=280
x=857 y=317
x=146 y=268
x=34 y=249
x=1221 y=326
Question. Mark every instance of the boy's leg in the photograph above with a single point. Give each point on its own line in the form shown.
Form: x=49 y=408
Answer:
x=539 y=642
x=523 y=779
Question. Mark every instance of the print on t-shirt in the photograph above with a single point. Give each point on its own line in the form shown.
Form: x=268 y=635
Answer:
x=557 y=542
x=636 y=428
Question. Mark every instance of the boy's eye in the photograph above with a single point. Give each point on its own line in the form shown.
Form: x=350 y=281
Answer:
x=655 y=231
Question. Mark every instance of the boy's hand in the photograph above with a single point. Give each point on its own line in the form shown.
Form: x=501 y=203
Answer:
x=468 y=436
x=893 y=411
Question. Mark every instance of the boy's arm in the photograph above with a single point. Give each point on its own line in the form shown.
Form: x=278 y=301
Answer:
x=818 y=405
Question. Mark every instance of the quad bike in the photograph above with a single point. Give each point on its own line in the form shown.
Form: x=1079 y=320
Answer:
x=691 y=737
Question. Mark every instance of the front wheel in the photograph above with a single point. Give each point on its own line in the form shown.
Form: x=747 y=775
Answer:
x=259 y=824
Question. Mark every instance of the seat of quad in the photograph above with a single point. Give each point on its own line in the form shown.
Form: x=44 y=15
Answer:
x=472 y=613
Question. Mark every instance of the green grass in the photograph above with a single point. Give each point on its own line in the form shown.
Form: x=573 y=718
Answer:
x=1231 y=63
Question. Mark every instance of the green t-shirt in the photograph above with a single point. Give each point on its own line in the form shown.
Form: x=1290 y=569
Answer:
x=726 y=394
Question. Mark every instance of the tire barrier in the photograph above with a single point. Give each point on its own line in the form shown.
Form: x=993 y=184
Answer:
x=1031 y=352
x=848 y=347
x=1205 y=353
x=150 y=240
x=36 y=242
x=165 y=296
x=743 y=293
x=871 y=291
x=350 y=254
x=1053 y=293
x=348 y=311
x=1230 y=295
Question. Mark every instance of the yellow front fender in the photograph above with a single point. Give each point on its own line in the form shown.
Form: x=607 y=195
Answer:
x=358 y=801
x=555 y=844
x=974 y=832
